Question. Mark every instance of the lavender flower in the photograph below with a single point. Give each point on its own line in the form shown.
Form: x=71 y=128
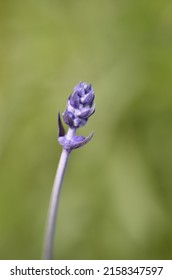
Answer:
x=78 y=109
x=79 y=106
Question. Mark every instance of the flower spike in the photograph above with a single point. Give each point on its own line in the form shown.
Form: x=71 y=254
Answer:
x=78 y=109
x=79 y=102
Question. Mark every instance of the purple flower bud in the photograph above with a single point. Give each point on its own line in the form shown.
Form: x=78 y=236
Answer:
x=75 y=142
x=68 y=118
x=74 y=100
x=79 y=106
x=87 y=113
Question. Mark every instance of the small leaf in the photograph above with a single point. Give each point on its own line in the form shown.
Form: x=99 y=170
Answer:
x=61 y=131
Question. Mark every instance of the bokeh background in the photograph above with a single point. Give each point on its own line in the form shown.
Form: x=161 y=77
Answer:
x=116 y=201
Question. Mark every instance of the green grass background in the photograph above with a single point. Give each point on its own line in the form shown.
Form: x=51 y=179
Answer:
x=116 y=201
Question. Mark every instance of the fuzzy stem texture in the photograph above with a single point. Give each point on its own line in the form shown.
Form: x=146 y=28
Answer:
x=54 y=201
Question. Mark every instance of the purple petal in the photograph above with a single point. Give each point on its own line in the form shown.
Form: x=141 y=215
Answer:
x=71 y=115
x=88 y=88
x=88 y=99
x=79 y=122
x=80 y=89
x=78 y=138
x=67 y=119
x=78 y=144
x=87 y=113
x=78 y=86
x=74 y=100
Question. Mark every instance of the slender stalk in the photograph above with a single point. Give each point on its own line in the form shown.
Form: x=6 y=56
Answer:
x=78 y=109
x=54 y=201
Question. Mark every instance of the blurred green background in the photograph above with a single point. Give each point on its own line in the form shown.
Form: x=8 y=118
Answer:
x=116 y=201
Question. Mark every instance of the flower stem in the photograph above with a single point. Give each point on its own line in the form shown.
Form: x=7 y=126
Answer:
x=54 y=201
